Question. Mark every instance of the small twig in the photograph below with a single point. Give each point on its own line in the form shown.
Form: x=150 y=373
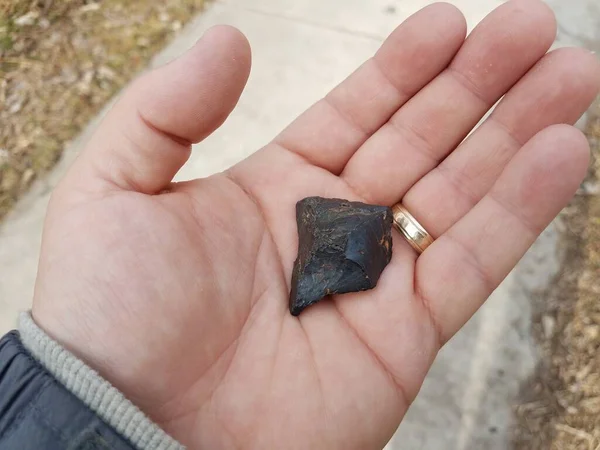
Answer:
x=21 y=62
x=577 y=433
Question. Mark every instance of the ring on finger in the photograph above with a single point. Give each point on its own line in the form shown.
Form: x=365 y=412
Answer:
x=414 y=233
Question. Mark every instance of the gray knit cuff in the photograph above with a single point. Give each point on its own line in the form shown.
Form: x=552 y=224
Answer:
x=93 y=390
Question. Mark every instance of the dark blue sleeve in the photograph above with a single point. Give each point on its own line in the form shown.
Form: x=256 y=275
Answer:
x=37 y=412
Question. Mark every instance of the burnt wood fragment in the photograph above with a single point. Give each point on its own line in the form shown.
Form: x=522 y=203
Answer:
x=343 y=247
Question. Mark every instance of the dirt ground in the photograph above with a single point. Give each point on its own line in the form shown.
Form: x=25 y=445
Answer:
x=60 y=61
x=561 y=403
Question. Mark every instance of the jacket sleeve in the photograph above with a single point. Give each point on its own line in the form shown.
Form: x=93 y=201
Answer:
x=50 y=399
x=37 y=412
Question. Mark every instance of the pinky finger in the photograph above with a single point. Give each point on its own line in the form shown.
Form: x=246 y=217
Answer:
x=463 y=267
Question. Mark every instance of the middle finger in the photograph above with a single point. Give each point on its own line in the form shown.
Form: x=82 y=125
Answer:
x=503 y=47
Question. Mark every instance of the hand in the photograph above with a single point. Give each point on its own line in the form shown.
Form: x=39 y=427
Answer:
x=178 y=292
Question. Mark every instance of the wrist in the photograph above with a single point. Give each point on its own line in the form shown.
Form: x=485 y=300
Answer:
x=93 y=390
x=94 y=343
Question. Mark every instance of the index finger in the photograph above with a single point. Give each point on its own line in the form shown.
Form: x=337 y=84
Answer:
x=329 y=132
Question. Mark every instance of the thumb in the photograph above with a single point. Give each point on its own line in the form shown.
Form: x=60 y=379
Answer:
x=147 y=136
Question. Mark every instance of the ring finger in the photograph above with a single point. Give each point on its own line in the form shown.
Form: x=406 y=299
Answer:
x=557 y=90
x=501 y=49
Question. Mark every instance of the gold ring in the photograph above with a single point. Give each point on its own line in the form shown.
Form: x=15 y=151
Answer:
x=411 y=229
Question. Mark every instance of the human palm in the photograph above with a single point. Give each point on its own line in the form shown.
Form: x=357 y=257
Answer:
x=177 y=293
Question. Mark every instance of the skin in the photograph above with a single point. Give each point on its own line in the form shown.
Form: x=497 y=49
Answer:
x=177 y=293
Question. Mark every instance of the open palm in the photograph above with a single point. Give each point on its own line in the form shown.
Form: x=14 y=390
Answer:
x=177 y=293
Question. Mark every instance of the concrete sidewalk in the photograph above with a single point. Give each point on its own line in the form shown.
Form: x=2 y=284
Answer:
x=301 y=50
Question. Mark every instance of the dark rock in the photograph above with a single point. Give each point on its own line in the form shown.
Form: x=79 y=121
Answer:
x=343 y=247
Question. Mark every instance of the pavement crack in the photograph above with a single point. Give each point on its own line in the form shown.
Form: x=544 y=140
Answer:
x=304 y=21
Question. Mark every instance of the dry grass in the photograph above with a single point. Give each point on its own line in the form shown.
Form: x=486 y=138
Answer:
x=561 y=404
x=60 y=61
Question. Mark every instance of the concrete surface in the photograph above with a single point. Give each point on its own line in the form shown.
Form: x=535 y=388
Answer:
x=466 y=400
x=300 y=50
